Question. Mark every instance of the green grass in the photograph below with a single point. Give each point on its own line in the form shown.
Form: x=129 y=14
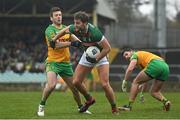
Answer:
x=23 y=105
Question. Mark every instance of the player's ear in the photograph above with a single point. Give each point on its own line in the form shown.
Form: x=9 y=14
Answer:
x=51 y=18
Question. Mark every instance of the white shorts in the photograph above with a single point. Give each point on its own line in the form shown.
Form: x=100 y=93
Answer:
x=84 y=62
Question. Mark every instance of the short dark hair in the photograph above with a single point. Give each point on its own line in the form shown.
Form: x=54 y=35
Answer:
x=123 y=50
x=53 y=9
x=81 y=15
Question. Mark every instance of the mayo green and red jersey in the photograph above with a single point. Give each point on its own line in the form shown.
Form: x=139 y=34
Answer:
x=91 y=37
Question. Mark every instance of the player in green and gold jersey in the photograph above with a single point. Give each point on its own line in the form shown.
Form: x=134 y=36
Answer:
x=58 y=59
x=153 y=67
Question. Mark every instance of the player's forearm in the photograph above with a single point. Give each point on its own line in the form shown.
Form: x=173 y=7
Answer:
x=106 y=49
x=62 y=44
x=127 y=74
x=130 y=68
x=103 y=53
x=74 y=38
x=60 y=34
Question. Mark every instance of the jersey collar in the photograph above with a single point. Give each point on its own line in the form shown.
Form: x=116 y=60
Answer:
x=57 y=27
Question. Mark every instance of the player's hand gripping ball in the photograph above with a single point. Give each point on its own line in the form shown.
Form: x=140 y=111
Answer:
x=91 y=54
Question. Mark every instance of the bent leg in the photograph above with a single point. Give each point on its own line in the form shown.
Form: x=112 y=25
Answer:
x=49 y=87
x=69 y=82
x=79 y=75
x=155 y=90
x=103 y=71
x=140 y=78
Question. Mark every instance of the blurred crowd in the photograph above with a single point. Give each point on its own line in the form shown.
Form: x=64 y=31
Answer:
x=22 y=49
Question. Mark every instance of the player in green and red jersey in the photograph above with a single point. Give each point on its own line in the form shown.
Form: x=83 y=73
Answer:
x=89 y=35
x=153 y=67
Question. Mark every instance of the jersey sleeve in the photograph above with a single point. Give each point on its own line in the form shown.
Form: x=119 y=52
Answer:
x=95 y=34
x=49 y=33
x=134 y=56
x=98 y=36
x=71 y=28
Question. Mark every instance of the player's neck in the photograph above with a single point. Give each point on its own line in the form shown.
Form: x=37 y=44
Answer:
x=86 y=28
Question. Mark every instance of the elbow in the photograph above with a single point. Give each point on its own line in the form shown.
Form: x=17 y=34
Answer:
x=130 y=70
x=108 y=49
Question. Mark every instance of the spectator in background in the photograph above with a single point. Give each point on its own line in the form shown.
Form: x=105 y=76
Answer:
x=20 y=49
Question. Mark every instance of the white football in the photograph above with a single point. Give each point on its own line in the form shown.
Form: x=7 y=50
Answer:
x=92 y=51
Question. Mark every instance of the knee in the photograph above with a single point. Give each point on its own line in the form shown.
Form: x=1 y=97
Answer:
x=75 y=82
x=105 y=85
x=136 y=82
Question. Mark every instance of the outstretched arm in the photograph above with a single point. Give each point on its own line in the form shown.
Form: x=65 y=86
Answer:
x=61 y=33
x=74 y=40
x=129 y=70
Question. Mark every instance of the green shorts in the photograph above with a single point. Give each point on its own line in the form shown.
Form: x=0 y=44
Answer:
x=157 y=69
x=61 y=68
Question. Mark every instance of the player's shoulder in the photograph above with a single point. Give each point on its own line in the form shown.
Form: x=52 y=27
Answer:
x=49 y=27
x=135 y=55
x=143 y=52
x=71 y=28
x=71 y=25
x=92 y=27
x=140 y=52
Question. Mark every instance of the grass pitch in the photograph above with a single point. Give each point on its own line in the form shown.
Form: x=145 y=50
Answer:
x=23 y=105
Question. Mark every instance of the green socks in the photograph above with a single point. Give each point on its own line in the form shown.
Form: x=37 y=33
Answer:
x=130 y=103
x=42 y=102
x=87 y=97
x=80 y=106
x=113 y=105
x=141 y=94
